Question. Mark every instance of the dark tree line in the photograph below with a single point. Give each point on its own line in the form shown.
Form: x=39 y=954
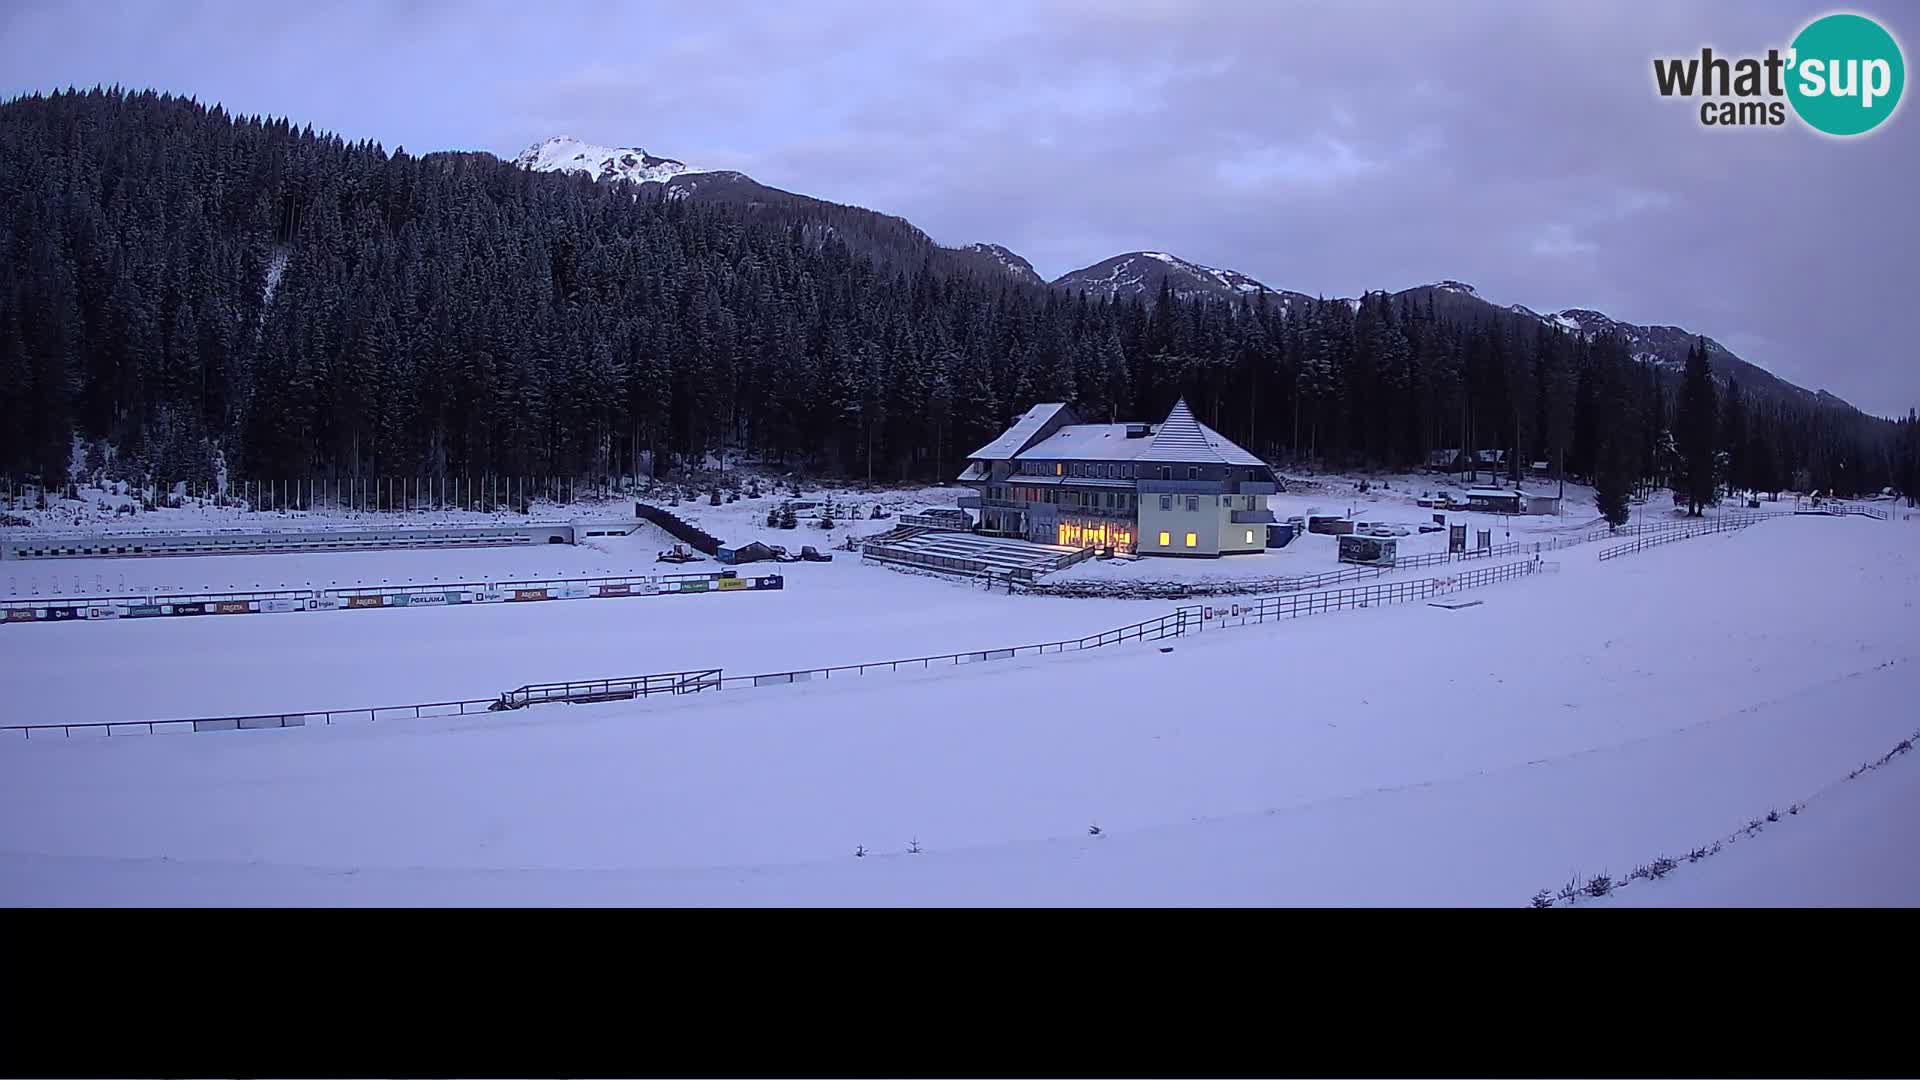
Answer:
x=182 y=283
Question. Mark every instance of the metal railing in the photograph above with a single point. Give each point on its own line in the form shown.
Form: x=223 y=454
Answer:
x=591 y=691
x=1293 y=606
x=257 y=720
x=1702 y=528
x=1173 y=624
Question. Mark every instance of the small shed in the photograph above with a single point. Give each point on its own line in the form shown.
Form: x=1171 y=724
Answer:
x=1497 y=500
x=1543 y=504
x=1369 y=550
x=1279 y=536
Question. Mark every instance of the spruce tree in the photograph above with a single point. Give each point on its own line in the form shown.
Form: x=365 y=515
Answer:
x=1695 y=437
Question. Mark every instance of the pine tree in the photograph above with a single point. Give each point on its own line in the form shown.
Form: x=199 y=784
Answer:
x=1695 y=437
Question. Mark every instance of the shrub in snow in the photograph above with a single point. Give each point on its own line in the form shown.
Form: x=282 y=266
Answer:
x=788 y=520
x=860 y=851
x=713 y=499
x=1773 y=815
x=1661 y=867
x=1093 y=830
x=1543 y=898
x=913 y=846
x=1599 y=885
x=773 y=518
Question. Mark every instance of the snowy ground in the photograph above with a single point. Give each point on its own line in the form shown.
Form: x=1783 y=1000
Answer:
x=829 y=613
x=1569 y=724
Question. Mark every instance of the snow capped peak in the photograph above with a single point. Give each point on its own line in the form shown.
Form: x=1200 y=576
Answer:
x=1015 y=266
x=1451 y=285
x=564 y=153
x=1139 y=273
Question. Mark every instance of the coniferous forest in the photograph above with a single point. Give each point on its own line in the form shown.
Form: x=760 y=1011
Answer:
x=190 y=286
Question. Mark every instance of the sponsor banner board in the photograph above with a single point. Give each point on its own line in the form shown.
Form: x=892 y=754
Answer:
x=529 y=594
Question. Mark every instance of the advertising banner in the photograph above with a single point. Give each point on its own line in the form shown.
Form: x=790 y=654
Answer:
x=572 y=592
x=423 y=599
x=188 y=609
x=233 y=607
x=457 y=597
x=693 y=586
x=143 y=611
x=366 y=601
x=773 y=582
x=324 y=603
x=529 y=594
x=614 y=590
x=490 y=596
x=728 y=584
x=103 y=613
x=283 y=605
x=20 y=615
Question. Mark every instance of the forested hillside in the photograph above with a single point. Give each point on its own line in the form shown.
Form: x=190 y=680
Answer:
x=179 y=282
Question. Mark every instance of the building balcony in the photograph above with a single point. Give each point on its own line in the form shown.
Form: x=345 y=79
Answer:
x=1253 y=517
x=969 y=502
x=1183 y=487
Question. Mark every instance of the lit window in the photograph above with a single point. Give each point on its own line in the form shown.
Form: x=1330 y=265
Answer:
x=1059 y=469
x=1166 y=539
x=1249 y=536
x=1193 y=540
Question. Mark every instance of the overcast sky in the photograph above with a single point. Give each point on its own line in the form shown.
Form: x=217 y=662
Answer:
x=1328 y=148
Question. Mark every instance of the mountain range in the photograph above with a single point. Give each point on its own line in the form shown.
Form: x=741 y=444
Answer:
x=1127 y=276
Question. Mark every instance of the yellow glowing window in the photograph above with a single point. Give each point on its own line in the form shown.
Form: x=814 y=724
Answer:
x=1059 y=470
x=1249 y=536
x=1193 y=540
x=1166 y=539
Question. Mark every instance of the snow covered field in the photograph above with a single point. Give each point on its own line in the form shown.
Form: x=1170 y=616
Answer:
x=1568 y=725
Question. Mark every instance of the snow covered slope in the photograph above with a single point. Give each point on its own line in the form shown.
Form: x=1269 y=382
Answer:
x=1139 y=274
x=1016 y=267
x=564 y=153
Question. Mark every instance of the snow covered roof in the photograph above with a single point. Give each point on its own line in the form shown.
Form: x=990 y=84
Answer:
x=1016 y=438
x=1183 y=438
x=1498 y=493
x=1180 y=439
x=1088 y=442
x=975 y=471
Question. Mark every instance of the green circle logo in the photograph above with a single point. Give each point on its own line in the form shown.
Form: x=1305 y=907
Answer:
x=1845 y=74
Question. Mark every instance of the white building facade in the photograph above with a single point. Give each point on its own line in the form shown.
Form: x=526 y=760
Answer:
x=1177 y=488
